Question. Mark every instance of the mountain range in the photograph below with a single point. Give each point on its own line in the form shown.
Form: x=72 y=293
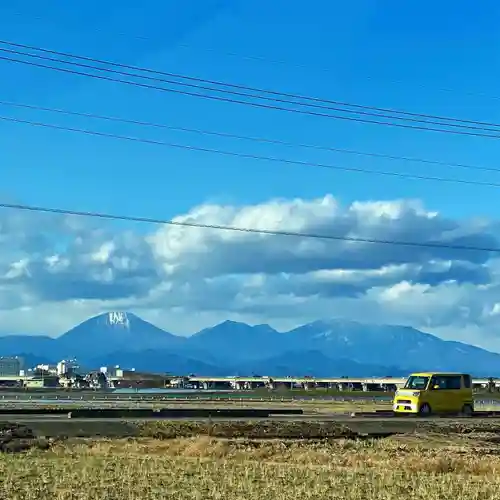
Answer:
x=333 y=347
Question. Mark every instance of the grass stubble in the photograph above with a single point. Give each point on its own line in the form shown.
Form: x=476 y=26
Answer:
x=463 y=463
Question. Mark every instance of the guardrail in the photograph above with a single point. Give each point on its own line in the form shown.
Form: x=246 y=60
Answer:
x=147 y=398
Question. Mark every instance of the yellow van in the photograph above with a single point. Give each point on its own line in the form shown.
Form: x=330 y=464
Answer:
x=435 y=393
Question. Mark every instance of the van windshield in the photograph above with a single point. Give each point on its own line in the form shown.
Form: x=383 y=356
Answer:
x=414 y=382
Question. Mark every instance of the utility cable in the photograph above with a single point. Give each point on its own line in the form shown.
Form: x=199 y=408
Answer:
x=101 y=215
x=251 y=96
x=245 y=87
x=247 y=103
x=252 y=156
x=247 y=138
x=268 y=60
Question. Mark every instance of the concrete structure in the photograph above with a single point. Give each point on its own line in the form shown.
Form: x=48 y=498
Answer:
x=67 y=367
x=50 y=381
x=11 y=366
x=138 y=380
x=127 y=378
x=50 y=369
x=364 y=384
x=111 y=371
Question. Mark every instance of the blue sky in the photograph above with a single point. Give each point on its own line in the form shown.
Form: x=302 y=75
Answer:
x=438 y=58
x=396 y=55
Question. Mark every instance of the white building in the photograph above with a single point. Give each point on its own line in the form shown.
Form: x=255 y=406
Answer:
x=50 y=369
x=11 y=366
x=110 y=371
x=67 y=367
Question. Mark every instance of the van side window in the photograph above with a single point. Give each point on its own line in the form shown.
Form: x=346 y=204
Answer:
x=454 y=382
x=467 y=381
x=438 y=383
x=447 y=382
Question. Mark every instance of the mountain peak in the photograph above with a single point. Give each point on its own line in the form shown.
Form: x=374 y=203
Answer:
x=232 y=324
x=327 y=347
x=113 y=331
x=237 y=328
x=116 y=319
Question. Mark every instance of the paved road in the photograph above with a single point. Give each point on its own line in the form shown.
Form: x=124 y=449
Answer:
x=280 y=418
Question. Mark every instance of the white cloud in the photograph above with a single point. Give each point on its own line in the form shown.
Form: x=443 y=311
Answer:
x=57 y=270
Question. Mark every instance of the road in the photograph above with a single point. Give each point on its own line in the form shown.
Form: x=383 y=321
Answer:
x=334 y=417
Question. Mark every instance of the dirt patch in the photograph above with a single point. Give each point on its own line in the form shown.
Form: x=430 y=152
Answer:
x=15 y=438
x=261 y=429
x=249 y=430
x=460 y=427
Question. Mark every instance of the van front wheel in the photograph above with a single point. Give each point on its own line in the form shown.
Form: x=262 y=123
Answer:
x=425 y=410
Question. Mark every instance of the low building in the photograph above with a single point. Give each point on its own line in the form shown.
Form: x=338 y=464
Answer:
x=111 y=371
x=46 y=369
x=135 y=379
x=11 y=366
x=39 y=383
x=67 y=367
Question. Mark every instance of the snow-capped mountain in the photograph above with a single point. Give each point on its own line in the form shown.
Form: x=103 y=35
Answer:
x=334 y=346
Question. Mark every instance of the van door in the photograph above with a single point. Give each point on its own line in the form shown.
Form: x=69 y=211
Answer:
x=433 y=394
x=445 y=393
x=455 y=392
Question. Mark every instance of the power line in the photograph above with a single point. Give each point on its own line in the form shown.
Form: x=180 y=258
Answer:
x=247 y=138
x=245 y=87
x=247 y=103
x=219 y=227
x=280 y=62
x=251 y=156
x=242 y=94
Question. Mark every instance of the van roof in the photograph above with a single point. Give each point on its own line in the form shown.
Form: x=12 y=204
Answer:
x=430 y=374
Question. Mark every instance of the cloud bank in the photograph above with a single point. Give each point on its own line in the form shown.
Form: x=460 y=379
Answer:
x=57 y=270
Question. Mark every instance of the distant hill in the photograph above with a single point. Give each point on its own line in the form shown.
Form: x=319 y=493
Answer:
x=401 y=346
x=235 y=341
x=112 y=332
x=14 y=345
x=329 y=347
x=316 y=364
x=158 y=361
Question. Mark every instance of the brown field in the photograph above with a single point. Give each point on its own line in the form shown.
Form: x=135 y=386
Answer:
x=463 y=463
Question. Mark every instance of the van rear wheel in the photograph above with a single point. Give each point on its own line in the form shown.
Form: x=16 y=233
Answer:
x=467 y=410
x=425 y=410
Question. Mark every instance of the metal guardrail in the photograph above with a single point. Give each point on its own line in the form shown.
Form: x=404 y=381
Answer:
x=35 y=397
x=204 y=399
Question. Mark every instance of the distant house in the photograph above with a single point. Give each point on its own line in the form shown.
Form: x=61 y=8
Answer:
x=11 y=366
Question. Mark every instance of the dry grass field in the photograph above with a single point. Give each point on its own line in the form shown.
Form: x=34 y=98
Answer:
x=428 y=466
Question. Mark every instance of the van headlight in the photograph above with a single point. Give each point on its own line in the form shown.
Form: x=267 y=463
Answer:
x=416 y=394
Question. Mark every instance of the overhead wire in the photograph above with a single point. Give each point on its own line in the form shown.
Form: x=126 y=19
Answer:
x=257 y=157
x=246 y=87
x=246 y=138
x=259 y=58
x=251 y=156
x=219 y=227
x=251 y=96
x=247 y=103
